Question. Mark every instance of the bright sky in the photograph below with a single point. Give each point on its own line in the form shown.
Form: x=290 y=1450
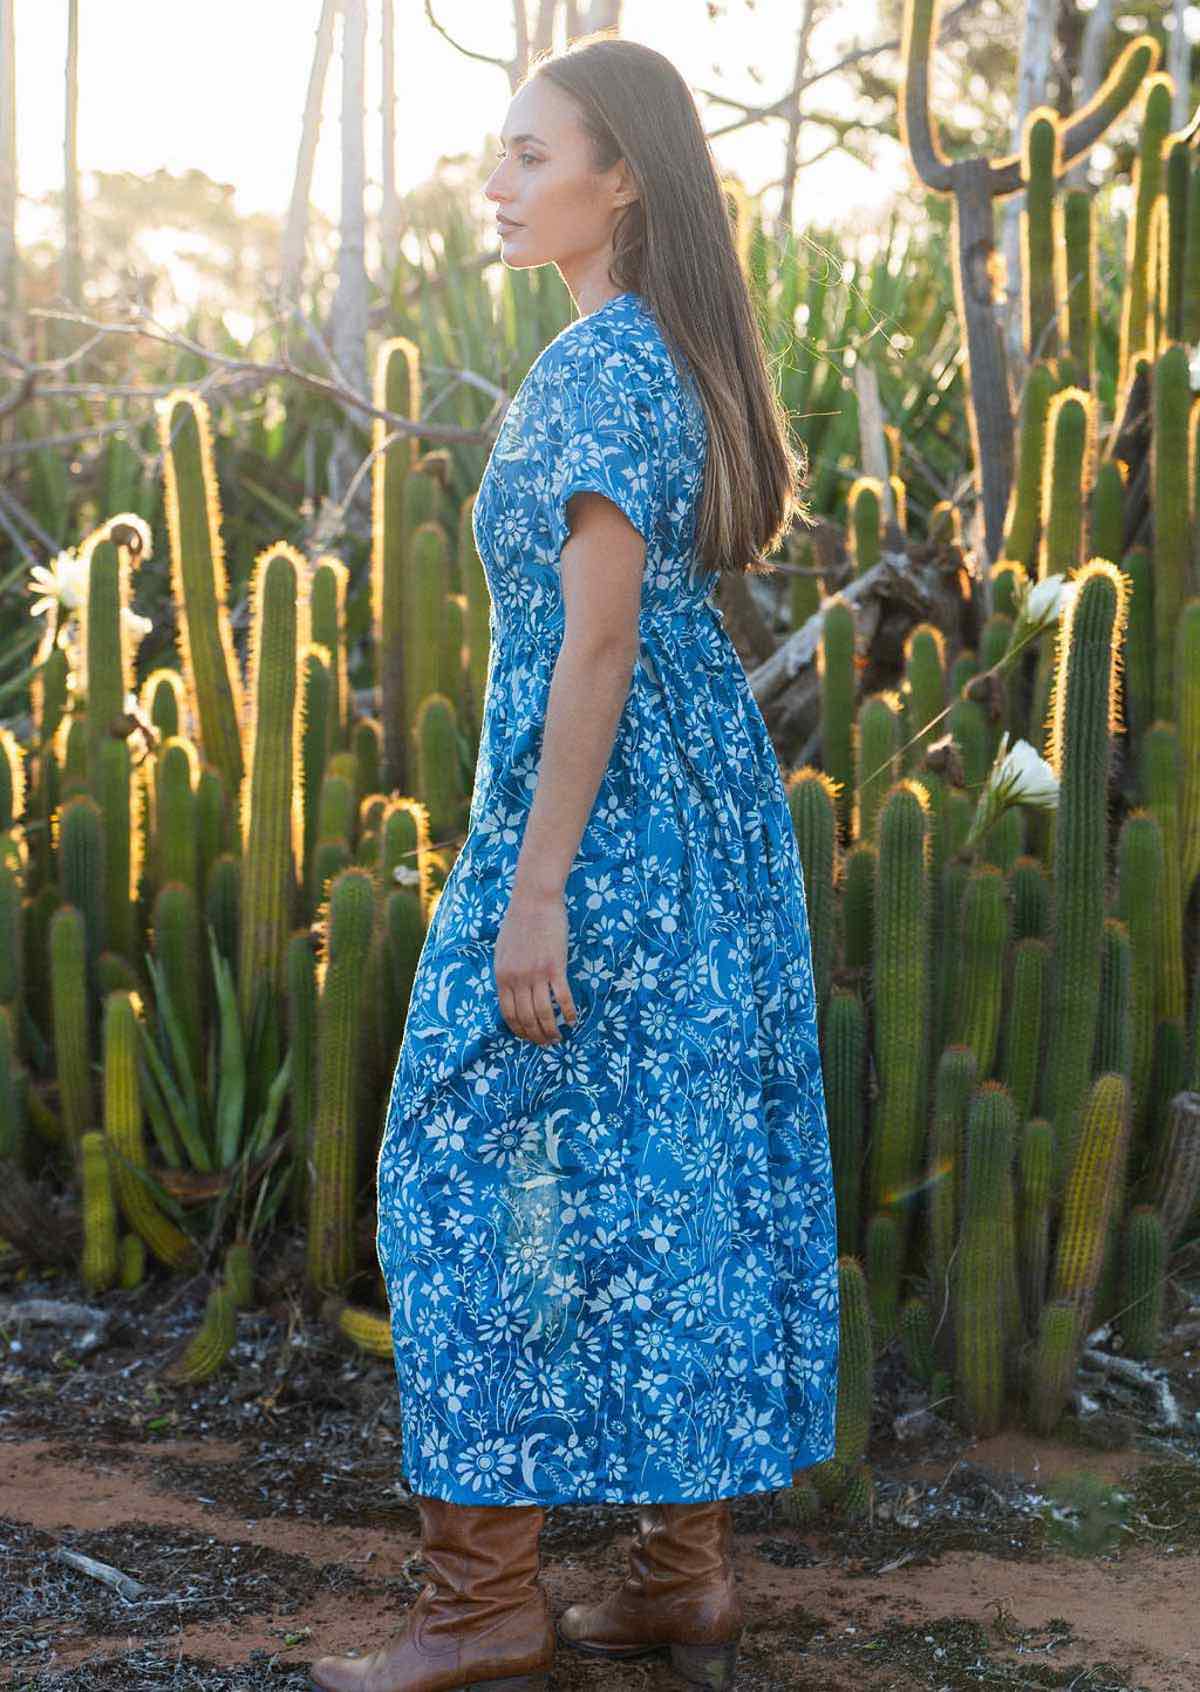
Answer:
x=221 y=88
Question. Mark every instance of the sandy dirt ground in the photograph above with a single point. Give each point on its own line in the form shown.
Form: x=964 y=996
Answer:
x=264 y=1518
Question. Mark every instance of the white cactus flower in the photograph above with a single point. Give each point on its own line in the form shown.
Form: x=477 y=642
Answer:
x=61 y=582
x=1020 y=776
x=1039 y=608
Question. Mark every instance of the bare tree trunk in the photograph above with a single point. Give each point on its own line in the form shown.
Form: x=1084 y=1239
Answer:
x=1179 y=54
x=597 y=14
x=348 y=318
x=543 y=32
x=72 y=265
x=295 y=234
x=1092 y=58
x=791 y=151
x=1032 y=77
x=8 y=174
x=389 y=210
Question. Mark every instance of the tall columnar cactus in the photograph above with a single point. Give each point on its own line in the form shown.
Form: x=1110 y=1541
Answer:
x=106 y=656
x=1114 y=1030
x=115 y=789
x=877 y=736
x=127 y=1146
x=1143 y=1281
x=100 y=1263
x=1096 y=1165
x=901 y=978
x=835 y=661
x=176 y=776
x=925 y=669
x=1139 y=641
x=193 y=510
x=327 y=598
x=1160 y=785
x=955 y=1080
x=984 y=928
x=1035 y=1209
x=1084 y=715
x=1147 y=186
x=812 y=800
x=1172 y=538
x=864 y=526
x=843 y=1054
x=272 y=822
x=69 y=998
x=335 y=1123
x=1041 y=237
x=1023 y=519
x=398 y=390
x=439 y=776
x=980 y=1327
x=1188 y=722
x=1078 y=287
x=1023 y=1034
x=302 y=1043
x=317 y=682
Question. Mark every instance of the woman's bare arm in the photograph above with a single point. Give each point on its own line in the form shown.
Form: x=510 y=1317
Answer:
x=602 y=565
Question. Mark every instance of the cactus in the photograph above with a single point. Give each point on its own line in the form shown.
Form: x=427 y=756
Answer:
x=1160 y=784
x=884 y=1255
x=916 y=1341
x=1172 y=543
x=68 y=987
x=1083 y=716
x=1023 y=517
x=1114 y=1030
x=1095 y=1170
x=368 y=1329
x=812 y=801
x=397 y=388
x=864 y=523
x=302 y=1035
x=334 y=1139
x=954 y=1083
x=1053 y=1367
x=877 y=736
x=213 y=1340
x=857 y=912
x=1023 y=1037
x=925 y=670
x=979 y=1279
x=272 y=823
x=123 y=1126
x=1141 y=873
x=838 y=689
x=1035 y=1203
x=328 y=587
x=1143 y=1281
x=843 y=1066
x=100 y=1263
x=901 y=976
x=984 y=926
x=198 y=585
x=1187 y=668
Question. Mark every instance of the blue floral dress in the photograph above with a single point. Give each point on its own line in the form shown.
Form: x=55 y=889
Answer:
x=611 y=1262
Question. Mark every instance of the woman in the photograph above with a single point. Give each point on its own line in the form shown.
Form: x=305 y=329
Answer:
x=610 y=1246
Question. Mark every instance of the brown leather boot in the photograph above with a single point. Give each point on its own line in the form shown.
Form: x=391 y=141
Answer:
x=679 y=1596
x=483 y=1620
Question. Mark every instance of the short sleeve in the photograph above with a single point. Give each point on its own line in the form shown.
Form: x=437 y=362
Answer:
x=599 y=437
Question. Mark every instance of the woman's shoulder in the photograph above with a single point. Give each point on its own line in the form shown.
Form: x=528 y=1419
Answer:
x=621 y=344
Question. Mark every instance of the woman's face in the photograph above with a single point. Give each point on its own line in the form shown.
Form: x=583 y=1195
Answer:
x=558 y=210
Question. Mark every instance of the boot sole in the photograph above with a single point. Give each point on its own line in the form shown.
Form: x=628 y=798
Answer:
x=709 y=1666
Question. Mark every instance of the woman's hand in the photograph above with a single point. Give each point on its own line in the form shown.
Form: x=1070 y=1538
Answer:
x=531 y=961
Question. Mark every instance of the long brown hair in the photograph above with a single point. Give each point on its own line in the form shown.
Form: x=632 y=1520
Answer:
x=675 y=247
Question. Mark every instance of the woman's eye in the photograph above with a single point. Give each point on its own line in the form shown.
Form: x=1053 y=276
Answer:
x=522 y=157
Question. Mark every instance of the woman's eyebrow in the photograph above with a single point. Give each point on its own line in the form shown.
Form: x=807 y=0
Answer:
x=526 y=137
